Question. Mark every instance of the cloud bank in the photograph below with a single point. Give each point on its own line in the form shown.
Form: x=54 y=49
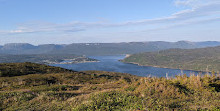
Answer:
x=196 y=12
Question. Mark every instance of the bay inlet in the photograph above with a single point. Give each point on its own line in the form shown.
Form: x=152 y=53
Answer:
x=112 y=63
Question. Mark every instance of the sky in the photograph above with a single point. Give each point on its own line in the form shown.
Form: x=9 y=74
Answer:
x=104 y=21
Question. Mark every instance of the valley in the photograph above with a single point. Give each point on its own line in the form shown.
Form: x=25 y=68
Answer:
x=113 y=64
x=109 y=55
x=40 y=87
x=111 y=82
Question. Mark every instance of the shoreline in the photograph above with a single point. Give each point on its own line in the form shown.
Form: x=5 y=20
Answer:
x=164 y=67
x=72 y=62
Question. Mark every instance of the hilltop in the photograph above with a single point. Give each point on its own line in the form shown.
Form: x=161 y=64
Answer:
x=202 y=59
x=18 y=69
x=100 y=90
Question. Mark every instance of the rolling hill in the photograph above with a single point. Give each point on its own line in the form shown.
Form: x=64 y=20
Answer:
x=202 y=59
x=18 y=69
x=26 y=48
x=101 y=48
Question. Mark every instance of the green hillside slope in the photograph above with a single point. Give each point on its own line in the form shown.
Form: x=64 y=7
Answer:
x=204 y=59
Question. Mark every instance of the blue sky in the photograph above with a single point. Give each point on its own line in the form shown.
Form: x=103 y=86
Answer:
x=80 y=21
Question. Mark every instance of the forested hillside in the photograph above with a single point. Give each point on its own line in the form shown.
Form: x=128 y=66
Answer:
x=203 y=59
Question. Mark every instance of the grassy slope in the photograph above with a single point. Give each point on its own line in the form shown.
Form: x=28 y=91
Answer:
x=99 y=90
x=191 y=59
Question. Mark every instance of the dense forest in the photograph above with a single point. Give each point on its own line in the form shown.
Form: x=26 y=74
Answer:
x=61 y=89
x=202 y=59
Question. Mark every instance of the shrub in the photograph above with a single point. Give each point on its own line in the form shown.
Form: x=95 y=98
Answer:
x=114 y=100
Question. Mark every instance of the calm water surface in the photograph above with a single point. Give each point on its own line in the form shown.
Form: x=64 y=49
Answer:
x=111 y=63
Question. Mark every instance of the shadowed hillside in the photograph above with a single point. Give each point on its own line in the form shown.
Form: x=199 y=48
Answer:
x=18 y=69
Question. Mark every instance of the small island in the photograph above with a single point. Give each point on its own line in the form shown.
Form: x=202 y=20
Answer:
x=80 y=59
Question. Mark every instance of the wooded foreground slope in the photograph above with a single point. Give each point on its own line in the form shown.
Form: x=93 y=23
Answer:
x=108 y=91
x=202 y=59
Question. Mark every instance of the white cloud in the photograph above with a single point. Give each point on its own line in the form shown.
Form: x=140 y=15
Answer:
x=34 y=27
x=191 y=3
x=199 y=10
x=194 y=3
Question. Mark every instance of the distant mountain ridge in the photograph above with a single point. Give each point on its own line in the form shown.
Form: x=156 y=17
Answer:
x=26 y=48
x=101 y=48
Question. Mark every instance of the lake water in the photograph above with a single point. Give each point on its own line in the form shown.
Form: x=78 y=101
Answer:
x=111 y=63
